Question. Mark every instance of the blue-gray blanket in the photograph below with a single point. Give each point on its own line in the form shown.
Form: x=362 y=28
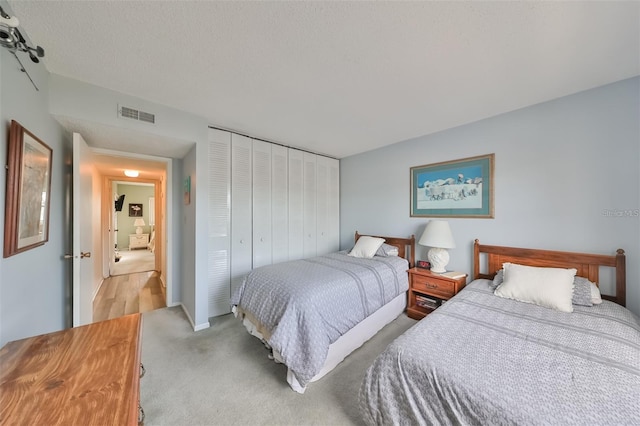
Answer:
x=481 y=359
x=303 y=306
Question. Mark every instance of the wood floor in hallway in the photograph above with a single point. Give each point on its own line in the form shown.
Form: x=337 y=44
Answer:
x=128 y=294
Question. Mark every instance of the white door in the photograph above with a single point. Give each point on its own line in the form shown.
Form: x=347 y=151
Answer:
x=296 y=204
x=279 y=205
x=113 y=230
x=219 y=222
x=322 y=221
x=261 y=203
x=309 y=184
x=241 y=212
x=82 y=231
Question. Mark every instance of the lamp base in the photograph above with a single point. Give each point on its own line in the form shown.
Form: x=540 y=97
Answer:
x=139 y=230
x=439 y=258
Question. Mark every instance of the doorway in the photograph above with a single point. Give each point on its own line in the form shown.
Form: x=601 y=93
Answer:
x=128 y=289
x=133 y=228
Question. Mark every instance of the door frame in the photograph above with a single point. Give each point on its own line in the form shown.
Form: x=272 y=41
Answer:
x=166 y=258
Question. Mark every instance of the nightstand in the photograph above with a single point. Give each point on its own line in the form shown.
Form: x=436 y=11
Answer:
x=138 y=241
x=426 y=287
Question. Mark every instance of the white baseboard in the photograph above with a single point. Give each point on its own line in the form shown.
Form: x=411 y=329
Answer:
x=95 y=293
x=193 y=325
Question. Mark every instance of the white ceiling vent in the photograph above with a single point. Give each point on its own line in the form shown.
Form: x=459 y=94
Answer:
x=126 y=112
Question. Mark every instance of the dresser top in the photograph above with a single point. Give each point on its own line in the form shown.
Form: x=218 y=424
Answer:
x=82 y=375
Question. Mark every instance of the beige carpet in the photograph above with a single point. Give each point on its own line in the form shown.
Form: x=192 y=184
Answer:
x=222 y=376
x=133 y=261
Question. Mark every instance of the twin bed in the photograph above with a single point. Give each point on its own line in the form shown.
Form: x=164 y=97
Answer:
x=313 y=312
x=484 y=359
x=478 y=359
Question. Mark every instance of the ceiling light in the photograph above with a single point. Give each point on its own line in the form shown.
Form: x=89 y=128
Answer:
x=131 y=173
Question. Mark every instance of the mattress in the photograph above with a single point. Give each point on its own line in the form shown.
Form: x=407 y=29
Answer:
x=482 y=359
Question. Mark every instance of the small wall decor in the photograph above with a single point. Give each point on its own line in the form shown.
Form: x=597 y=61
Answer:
x=135 y=210
x=458 y=188
x=28 y=191
x=187 y=190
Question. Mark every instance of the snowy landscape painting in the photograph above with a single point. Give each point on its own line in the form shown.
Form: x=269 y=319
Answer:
x=459 y=188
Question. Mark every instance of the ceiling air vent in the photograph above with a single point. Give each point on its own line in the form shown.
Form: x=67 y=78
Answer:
x=126 y=112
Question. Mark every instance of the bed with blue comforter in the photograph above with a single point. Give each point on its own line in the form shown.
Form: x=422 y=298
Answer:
x=302 y=307
x=481 y=359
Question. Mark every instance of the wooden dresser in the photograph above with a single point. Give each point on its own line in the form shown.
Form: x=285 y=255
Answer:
x=88 y=375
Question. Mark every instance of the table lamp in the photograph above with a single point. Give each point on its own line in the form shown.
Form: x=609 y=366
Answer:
x=437 y=235
x=139 y=222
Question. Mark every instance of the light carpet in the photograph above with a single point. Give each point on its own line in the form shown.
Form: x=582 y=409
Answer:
x=132 y=261
x=222 y=376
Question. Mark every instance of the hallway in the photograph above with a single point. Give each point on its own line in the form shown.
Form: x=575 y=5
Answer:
x=127 y=294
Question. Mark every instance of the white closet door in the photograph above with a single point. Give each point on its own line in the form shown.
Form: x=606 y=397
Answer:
x=219 y=222
x=322 y=223
x=296 y=204
x=279 y=205
x=309 y=205
x=241 y=214
x=333 y=205
x=261 y=203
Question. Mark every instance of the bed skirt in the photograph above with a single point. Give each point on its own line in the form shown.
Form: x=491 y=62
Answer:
x=347 y=343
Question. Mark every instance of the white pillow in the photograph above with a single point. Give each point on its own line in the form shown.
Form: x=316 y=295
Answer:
x=366 y=247
x=387 y=250
x=548 y=287
x=596 y=298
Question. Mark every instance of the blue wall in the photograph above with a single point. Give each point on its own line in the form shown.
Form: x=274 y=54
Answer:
x=35 y=294
x=559 y=166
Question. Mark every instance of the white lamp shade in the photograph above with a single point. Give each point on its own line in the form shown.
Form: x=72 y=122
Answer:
x=437 y=233
x=138 y=223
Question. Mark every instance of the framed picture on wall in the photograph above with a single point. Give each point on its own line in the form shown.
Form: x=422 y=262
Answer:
x=187 y=190
x=135 y=210
x=28 y=191
x=458 y=188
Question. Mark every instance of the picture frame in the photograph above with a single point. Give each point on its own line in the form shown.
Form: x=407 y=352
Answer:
x=28 y=191
x=458 y=188
x=187 y=190
x=135 y=210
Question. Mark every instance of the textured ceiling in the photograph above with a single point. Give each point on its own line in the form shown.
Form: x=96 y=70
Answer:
x=338 y=78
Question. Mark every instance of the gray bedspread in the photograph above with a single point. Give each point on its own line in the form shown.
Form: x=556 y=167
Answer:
x=484 y=360
x=303 y=306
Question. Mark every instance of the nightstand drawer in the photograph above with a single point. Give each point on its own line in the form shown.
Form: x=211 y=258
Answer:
x=445 y=289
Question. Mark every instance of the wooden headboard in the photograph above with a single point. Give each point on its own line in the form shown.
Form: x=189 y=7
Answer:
x=588 y=265
x=402 y=244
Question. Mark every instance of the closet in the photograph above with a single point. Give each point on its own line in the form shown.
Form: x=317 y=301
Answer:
x=267 y=204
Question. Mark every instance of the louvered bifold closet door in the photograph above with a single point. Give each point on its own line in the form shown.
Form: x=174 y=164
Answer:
x=279 y=204
x=261 y=203
x=219 y=222
x=322 y=187
x=333 y=204
x=241 y=212
x=295 y=192
x=309 y=205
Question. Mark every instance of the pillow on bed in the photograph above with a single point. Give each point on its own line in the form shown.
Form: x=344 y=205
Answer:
x=585 y=292
x=582 y=292
x=596 y=298
x=366 y=247
x=593 y=292
x=387 y=250
x=497 y=280
x=548 y=287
